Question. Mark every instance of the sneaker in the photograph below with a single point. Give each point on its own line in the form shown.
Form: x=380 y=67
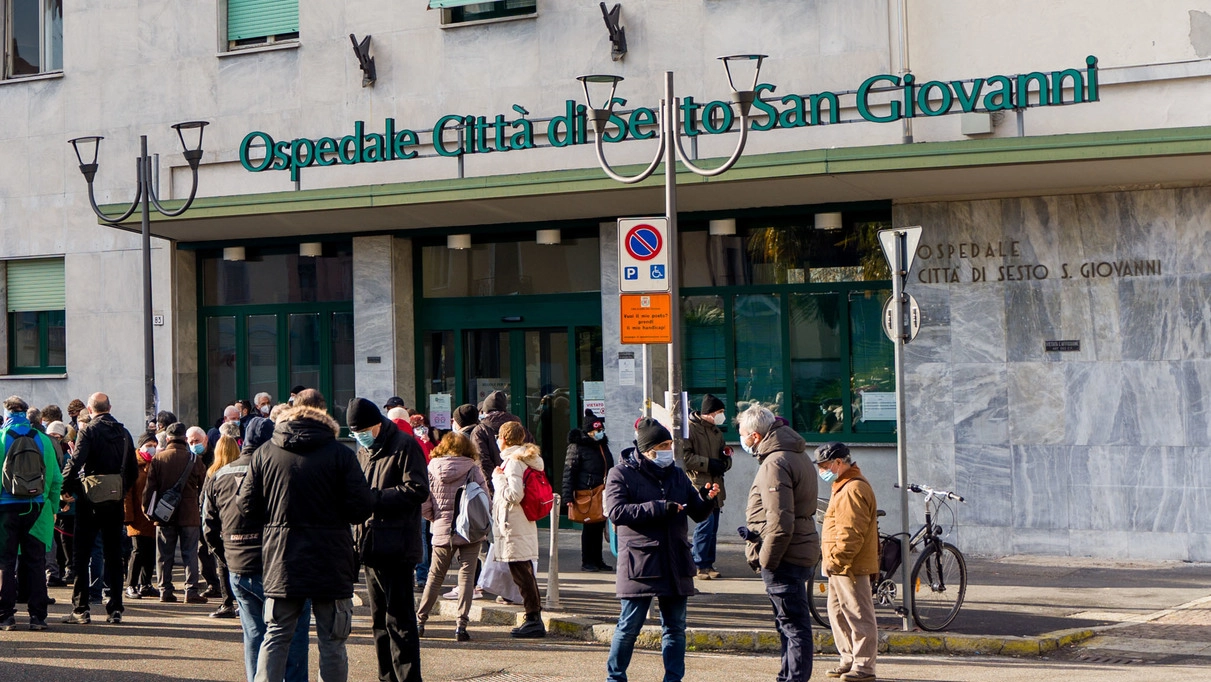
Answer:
x=37 y=623
x=858 y=676
x=213 y=592
x=452 y=594
x=715 y=575
x=461 y=635
x=605 y=568
x=114 y=618
x=195 y=598
x=589 y=568
x=478 y=593
x=224 y=611
x=132 y=592
x=703 y=574
x=502 y=600
x=78 y=618
x=9 y=623
x=149 y=591
x=837 y=671
x=168 y=597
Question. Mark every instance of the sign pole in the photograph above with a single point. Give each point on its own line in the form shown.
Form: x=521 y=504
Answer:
x=670 y=211
x=899 y=275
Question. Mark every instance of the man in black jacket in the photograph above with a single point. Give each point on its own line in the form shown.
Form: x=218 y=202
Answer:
x=305 y=489
x=236 y=543
x=484 y=435
x=389 y=543
x=104 y=448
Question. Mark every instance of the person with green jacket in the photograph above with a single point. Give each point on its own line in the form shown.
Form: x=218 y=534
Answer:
x=27 y=521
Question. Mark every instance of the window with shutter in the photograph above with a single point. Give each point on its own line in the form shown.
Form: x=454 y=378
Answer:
x=260 y=22
x=465 y=11
x=37 y=339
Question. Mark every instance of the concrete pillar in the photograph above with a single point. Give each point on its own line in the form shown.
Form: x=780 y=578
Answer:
x=186 y=341
x=384 y=336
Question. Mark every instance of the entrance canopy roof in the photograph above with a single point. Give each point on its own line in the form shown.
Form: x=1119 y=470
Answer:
x=968 y=169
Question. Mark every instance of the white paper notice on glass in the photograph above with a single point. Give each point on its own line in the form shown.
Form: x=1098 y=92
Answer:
x=594 y=390
x=440 y=406
x=626 y=369
x=878 y=406
x=484 y=386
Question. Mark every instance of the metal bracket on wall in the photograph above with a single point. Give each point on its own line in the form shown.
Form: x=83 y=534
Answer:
x=364 y=60
x=618 y=34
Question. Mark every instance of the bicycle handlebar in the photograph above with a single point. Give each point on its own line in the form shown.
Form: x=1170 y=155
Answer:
x=926 y=490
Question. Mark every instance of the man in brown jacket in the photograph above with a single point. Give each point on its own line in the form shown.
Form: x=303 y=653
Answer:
x=851 y=557
x=706 y=460
x=165 y=470
x=782 y=541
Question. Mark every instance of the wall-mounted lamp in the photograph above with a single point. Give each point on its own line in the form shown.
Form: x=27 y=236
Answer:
x=364 y=61
x=723 y=227
x=233 y=253
x=548 y=237
x=311 y=249
x=829 y=221
x=618 y=34
x=458 y=241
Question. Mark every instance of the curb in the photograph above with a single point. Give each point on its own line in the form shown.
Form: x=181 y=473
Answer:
x=761 y=640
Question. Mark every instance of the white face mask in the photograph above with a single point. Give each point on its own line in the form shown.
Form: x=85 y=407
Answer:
x=720 y=419
x=500 y=445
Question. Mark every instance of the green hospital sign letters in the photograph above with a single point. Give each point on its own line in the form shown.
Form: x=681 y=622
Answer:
x=909 y=99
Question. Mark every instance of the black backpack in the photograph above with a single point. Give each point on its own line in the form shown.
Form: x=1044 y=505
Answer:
x=24 y=468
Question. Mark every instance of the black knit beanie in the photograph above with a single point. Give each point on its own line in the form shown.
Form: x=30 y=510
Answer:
x=466 y=415
x=362 y=414
x=711 y=404
x=649 y=433
x=592 y=422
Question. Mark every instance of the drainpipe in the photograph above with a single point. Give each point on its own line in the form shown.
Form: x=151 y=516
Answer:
x=898 y=44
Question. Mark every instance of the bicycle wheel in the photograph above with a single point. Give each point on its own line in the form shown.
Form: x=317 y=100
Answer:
x=939 y=582
x=817 y=597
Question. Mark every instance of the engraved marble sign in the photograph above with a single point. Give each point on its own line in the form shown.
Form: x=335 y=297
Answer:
x=1071 y=345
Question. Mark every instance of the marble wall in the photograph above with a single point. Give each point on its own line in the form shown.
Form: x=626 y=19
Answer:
x=383 y=318
x=1102 y=451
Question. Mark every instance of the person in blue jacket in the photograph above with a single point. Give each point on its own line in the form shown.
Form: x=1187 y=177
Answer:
x=650 y=500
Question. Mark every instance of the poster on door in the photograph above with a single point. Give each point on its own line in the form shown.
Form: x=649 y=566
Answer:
x=440 y=406
x=484 y=386
x=594 y=397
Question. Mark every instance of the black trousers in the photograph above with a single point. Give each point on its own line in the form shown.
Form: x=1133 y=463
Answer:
x=16 y=522
x=214 y=572
x=393 y=618
x=142 y=566
x=527 y=583
x=590 y=544
x=106 y=520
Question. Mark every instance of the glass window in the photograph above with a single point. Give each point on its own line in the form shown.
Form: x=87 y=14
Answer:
x=33 y=33
x=704 y=343
x=462 y=11
x=305 y=350
x=873 y=378
x=817 y=372
x=56 y=338
x=37 y=340
x=489 y=363
x=220 y=364
x=26 y=337
x=343 y=387
x=512 y=268
x=783 y=250
x=758 y=334
x=262 y=354
x=261 y=22
x=278 y=277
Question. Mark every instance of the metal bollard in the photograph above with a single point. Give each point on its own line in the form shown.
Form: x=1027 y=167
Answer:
x=552 y=601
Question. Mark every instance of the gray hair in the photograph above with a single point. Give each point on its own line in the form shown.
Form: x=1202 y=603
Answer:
x=196 y=430
x=756 y=419
x=231 y=412
x=256 y=399
x=230 y=429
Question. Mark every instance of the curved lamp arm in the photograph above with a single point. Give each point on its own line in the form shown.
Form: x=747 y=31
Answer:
x=193 y=191
x=727 y=165
x=106 y=218
x=647 y=172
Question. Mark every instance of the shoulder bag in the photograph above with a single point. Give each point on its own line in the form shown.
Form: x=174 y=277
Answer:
x=164 y=507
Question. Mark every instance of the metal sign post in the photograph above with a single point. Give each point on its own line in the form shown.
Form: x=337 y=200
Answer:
x=900 y=246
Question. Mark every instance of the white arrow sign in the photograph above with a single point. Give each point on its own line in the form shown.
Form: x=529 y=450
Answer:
x=888 y=239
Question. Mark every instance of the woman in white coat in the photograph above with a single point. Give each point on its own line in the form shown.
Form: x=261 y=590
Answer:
x=516 y=537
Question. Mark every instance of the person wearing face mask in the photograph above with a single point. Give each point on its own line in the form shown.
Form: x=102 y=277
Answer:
x=707 y=458
x=584 y=473
x=515 y=537
x=783 y=545
x=850 y=558
x=141 y=570
x=185 y=527
x=263 y=403
x=389 y=542
x=650 y=500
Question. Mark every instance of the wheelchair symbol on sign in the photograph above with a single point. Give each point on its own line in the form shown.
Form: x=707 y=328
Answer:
x=657 y=272
x=630 y=273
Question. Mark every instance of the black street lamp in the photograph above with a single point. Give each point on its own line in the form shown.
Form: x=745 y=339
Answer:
x=145 y=199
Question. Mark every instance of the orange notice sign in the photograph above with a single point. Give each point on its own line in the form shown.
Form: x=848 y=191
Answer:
x=646 y=319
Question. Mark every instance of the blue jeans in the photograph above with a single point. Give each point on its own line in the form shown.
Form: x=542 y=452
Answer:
x=705 y=534
x=787 y=592
x=672 y=643
x=426 y=539
x=249 y=594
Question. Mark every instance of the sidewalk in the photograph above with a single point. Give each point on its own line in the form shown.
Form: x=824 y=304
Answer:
x=1014 y=605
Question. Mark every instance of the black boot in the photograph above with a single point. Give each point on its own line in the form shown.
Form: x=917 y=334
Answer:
x=531 y=629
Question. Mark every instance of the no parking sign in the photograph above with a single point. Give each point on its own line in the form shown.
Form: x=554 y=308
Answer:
x=643 y=256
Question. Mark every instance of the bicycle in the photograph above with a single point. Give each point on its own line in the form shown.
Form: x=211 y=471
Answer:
x=939 y=575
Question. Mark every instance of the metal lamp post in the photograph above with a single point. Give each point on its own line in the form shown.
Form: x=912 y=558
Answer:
x=145 y=199
x=669 y=151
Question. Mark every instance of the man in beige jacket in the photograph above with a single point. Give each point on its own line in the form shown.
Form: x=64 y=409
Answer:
x=850 y=546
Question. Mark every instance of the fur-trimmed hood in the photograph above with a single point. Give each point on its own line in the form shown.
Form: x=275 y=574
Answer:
x=304 y=428
x=526 y=453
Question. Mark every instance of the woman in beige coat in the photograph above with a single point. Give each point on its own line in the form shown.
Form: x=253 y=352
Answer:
x=516 y=537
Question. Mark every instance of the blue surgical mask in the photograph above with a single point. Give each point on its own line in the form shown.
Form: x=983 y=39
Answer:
x=364 y=438
x=827 y=476
x=197 y=448
x=746 y=447
x=664 y=458
x=599 y=435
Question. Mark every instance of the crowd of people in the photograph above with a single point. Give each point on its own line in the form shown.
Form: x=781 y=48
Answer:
x=260 y=508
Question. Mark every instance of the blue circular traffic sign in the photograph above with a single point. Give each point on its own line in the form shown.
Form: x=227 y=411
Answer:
x=643 y=242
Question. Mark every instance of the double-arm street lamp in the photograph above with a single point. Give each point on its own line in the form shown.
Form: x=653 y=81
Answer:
x=145 y=199
x=669 y=151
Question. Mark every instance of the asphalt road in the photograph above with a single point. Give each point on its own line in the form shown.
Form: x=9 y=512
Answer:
x=160 y=642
